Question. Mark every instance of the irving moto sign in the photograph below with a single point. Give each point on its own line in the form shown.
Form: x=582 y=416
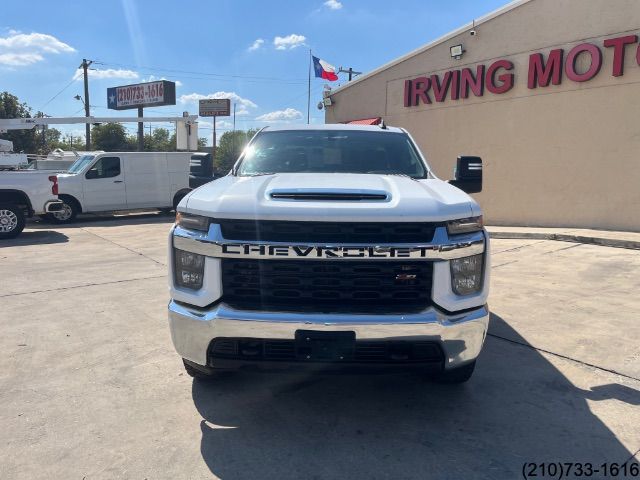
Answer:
x=499 y=76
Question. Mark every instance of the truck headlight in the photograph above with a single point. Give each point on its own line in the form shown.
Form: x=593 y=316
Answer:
x=466 y=274
x=464 y=225
x=192 y=222
x=189 y=269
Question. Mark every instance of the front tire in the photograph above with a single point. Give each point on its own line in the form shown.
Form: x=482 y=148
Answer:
x=456 y=375
x=12 y=220
x=68 y=213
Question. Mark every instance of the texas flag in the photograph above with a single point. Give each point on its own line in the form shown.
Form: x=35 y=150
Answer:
x=324 y=70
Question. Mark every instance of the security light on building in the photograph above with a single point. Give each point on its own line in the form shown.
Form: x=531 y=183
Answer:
x=456 y=52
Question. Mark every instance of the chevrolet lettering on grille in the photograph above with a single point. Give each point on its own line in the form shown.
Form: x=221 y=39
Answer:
x=253 y=250
x=434 y=251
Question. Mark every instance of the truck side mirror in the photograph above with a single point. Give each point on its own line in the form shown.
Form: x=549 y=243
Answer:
x=468 y=174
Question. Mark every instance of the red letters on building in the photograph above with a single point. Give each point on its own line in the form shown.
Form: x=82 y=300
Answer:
x=594 y=67
x=455 y=82
x=499 y=76
x=618 y=45
x=419 y=91
x=541 y=74
x=440 y=90
x=506 y=79
x=467 y=81
x=407 y=93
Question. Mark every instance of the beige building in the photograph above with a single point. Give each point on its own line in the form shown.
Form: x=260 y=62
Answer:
x=547 y=92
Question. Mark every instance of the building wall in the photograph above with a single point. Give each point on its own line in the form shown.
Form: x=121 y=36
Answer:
x=561 y=155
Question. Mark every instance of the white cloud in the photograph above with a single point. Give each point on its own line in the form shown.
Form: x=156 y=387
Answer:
x=220 y=124
x=333 y=4
x=256 y=45
x=108 y=73
x=286 y=115
x=20 y=49
x=290 y=41
x=19 y=59
x=242 y=104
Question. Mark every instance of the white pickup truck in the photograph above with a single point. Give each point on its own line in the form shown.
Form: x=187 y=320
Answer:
x=328 y=247
x=25 y=193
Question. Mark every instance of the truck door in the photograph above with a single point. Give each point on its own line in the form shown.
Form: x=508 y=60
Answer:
x=104 y=187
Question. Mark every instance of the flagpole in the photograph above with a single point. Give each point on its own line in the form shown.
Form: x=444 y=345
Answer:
x=309 y=90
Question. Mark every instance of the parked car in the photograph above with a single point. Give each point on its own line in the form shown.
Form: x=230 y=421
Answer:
x=120 y=181
x=24 y=194
x=331 y=246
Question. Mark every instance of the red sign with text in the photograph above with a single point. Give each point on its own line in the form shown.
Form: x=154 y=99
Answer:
x=499 y=76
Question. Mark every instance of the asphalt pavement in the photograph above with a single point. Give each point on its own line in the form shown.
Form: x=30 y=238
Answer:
x=91 y=388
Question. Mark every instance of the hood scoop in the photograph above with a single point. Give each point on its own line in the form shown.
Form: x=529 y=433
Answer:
x=331 y=195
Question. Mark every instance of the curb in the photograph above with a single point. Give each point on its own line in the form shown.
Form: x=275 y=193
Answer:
x=561 y=237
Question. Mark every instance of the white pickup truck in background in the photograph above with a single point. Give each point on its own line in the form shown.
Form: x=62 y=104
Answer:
x=24 y=194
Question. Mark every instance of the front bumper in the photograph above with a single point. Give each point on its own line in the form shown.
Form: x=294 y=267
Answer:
x=460 y=335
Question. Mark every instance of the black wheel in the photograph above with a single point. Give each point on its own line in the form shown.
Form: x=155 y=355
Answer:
x=11 y=220
x=179 y=196
x=198 y=371
x=456 y=375
x=68 y=213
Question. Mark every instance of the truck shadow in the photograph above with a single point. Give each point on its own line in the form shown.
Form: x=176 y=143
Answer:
x=107 y=220
x=517 y=408
x=40 y=237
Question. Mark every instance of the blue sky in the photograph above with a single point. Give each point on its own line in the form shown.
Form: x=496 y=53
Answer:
x=206 y=46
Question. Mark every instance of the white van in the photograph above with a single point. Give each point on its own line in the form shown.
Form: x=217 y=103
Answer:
x=117 y=181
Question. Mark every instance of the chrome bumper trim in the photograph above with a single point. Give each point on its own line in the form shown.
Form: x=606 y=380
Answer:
x=460 y=335
x=212 y=244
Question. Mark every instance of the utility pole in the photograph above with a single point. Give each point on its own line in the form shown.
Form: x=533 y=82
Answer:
x=140 y=130
x=87 y=113
x=350 y=71
x=309 y=89
x=233 y=137
x=213 y=151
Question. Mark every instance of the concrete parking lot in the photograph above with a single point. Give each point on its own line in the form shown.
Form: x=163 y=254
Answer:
x=91 y=388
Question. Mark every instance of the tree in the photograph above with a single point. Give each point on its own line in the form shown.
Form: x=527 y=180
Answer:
x=70 y=142
x=111 y=137
x=159 y=141
x=23 y=140
x=230 y=147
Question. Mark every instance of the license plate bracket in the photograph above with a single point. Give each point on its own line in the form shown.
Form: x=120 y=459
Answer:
x=320 y=346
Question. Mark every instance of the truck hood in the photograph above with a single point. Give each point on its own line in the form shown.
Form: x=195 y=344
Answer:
x=285 y=196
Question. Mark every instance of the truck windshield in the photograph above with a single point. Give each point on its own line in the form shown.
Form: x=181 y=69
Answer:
x=332 y=151
x=80 y=163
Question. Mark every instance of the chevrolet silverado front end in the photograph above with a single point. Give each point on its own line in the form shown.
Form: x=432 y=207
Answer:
x=327 y=247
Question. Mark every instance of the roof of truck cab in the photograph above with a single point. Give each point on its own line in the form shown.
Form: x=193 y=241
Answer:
x=332 y=126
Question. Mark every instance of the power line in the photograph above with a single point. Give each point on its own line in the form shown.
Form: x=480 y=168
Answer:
x=208 y=74
x=57 y=94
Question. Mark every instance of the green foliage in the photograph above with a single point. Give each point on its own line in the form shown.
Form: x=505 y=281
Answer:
x=23 y=140
x=159 y=141
x=229 y=149
x=111 y=137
